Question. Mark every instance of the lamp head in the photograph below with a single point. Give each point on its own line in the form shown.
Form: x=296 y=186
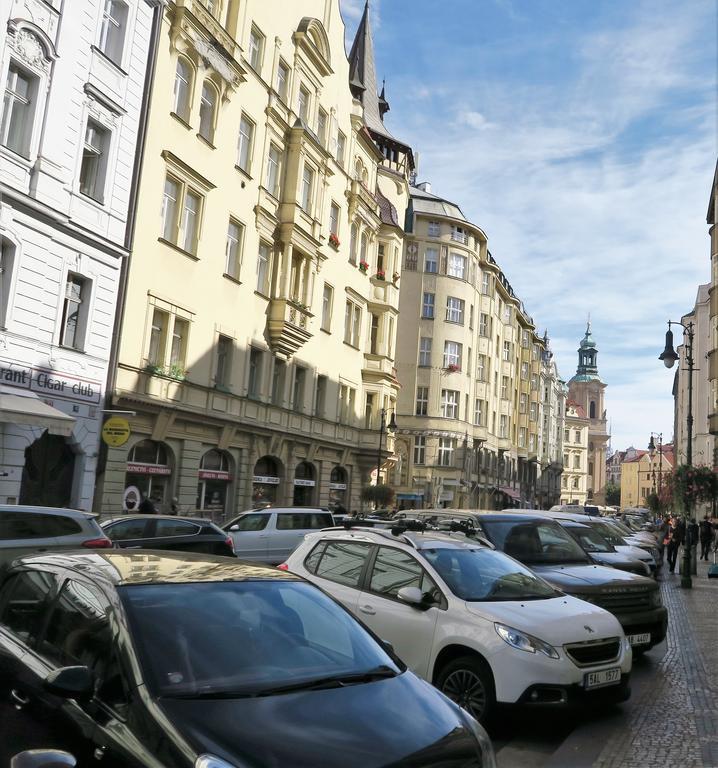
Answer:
x=392 y=423
x=651 y=447
x=669 y=355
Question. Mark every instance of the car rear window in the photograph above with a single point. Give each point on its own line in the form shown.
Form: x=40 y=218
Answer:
x=127 y=529
x=176 y=528
x=34 y=525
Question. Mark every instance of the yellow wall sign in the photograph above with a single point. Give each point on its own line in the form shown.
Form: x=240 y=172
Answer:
x=116 y=431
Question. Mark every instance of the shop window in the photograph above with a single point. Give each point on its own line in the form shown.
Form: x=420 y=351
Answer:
x=213 y=483
x=149 y=474
x=304 y=484
x=265 y=481
x=338 y=485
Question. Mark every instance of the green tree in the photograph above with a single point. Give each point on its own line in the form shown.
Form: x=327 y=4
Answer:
x=613 y=494
x=379 y=495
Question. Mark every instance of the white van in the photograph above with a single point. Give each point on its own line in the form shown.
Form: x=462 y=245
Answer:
x=270 y=535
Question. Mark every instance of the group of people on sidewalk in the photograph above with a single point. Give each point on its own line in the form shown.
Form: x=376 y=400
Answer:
x=675 y=533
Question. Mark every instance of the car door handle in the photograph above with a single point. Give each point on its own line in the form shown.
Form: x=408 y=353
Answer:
x=367 y=609
x=19 y=699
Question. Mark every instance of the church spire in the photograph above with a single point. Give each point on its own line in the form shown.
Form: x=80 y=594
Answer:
x=587 y=357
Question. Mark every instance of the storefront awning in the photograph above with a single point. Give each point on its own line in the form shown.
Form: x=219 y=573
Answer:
x=409 y=496
x=26 y=408
x=510 y=492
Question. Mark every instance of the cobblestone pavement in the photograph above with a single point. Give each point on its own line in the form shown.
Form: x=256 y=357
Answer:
x=674 y=720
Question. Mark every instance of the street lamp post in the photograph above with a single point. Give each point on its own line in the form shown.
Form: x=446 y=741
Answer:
x=383 y=426
x=652 y=451
x=669 y=356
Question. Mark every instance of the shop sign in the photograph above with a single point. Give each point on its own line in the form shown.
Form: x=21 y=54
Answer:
x=212 y=474
x=265 y=480
x=50 y=383
x=148 y=469
x=116 y=431
x=446 y=496
x=305 y=483
x=131 y=498
x=337 y=486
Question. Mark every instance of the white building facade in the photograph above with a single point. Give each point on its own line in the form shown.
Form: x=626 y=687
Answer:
x=73 y=84
x=552 y=416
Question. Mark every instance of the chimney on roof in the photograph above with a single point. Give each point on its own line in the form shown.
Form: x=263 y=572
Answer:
x=424 y=186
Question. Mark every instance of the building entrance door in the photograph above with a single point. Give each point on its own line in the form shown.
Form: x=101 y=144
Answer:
x=48 y=472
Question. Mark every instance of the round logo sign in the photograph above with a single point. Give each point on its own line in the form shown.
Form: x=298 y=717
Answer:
x=116 y=431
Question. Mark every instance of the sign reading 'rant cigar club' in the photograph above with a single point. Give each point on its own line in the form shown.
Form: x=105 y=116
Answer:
x=53 y=384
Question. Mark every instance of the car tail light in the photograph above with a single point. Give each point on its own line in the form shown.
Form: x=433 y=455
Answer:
x=229 y=541
x=283 y=567
x=97 y=543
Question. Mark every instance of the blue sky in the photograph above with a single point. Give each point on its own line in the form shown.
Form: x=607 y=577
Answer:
x=581 y=136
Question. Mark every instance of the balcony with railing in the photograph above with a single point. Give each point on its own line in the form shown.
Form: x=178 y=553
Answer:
x=460 y=237
x=289 y=325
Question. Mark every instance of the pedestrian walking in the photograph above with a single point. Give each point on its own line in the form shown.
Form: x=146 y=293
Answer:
x=706 y=537
x=174 y=507
x=146 y=506
x=673 y=541
x=692 y=542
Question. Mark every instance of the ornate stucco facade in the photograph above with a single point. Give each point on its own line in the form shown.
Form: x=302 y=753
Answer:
x=260 y=313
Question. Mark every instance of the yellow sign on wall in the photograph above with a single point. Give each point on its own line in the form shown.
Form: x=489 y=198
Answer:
x=116 y=431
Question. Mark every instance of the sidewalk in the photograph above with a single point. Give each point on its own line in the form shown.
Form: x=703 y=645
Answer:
x=672 y=718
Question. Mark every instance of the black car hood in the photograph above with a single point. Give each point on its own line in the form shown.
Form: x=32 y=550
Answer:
x=400 y=721
x=589 y=578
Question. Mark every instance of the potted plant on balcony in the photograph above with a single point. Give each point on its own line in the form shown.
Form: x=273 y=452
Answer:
x=363 y=266
x=177 y=372
x=152 y=369
x=452 y=368
x=380 y=274
x=333 y=240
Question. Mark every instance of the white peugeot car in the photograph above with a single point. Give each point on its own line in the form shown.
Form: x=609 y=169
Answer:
x=479 y=625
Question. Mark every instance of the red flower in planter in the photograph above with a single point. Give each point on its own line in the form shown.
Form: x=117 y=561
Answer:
x=333 y=240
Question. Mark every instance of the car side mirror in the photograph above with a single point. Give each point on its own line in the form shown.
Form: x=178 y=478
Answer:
x=43 y=758
x=70 y=682
x=413 y=596
x=233 y=528
x=388 y=647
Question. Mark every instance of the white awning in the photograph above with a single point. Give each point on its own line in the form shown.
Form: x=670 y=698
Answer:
x=18 y=406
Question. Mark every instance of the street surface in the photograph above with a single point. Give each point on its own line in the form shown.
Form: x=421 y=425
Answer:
x=670 y=719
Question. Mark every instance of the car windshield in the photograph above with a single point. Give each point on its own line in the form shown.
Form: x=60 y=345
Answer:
x=611 y=532
x=589 y=539
x=534 y=542
x=482 y=574
x=246 y=638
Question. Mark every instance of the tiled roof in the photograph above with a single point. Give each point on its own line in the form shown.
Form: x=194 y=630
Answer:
x=387 y=211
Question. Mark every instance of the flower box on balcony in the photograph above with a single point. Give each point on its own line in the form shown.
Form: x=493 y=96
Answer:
x=452 y=368
x=333 y=241
x=380 y=274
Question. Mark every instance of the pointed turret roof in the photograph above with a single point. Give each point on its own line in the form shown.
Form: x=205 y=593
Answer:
x=363 y=80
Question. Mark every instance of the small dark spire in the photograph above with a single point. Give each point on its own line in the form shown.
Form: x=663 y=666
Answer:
x=383 y=103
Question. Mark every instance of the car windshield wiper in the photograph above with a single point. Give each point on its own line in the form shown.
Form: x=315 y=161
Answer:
x=333 y=681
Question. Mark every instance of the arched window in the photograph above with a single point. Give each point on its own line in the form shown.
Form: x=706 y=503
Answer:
x=184 y=79
x=149 y=473
x=304 y=484
x=208 y=111
x=592 y=409
x=265 y=481
x=213 y=483
x=354 y=236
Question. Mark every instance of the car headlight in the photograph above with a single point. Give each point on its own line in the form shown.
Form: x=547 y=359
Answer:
x=485 y=747
x=210 y=761
x=524 y=642
x=654 y=598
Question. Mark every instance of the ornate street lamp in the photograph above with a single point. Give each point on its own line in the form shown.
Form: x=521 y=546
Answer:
x=669 y=356
x=383 y=426
x=652 y=453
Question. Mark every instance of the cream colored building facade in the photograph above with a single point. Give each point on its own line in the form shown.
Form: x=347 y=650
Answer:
x=575 y=480
x=712 y=221
x=470 y=364
x=260 y=309
x=642 y=474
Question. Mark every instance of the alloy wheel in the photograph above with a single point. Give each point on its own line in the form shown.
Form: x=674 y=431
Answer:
x=467 y=689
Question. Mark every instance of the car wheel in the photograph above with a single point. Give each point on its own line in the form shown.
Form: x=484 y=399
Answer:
x=468 y=682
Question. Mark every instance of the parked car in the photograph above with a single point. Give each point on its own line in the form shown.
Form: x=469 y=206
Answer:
x=270 y=535
x=38 y=529
x=189 y=534
x=600 y=550
x=541 y=543
x=182 y=660
x=476 y=623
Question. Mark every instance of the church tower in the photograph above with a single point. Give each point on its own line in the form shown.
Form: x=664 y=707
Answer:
x=587 y=390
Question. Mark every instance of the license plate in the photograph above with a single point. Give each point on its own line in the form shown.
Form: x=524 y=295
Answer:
x=643 y=639
x=604 y=677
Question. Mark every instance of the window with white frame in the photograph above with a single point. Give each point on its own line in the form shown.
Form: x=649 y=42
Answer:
x=352 y=323
x=263 y=257
x=449 y=403
x=282 y=85
x=233 y=249
x=523 y=402
x=424 y=351
x=431 y=260
x=274 y=166
x=327 y=301
x=456 y=266
x=447 y=446
x=245 y=144
x=452 y=354
x=299 y=387
x=504 y=387
x=363 y=248
x=184 y=80
x=113 y=29
x=334 y=213
x=525 y=371
x=168 y=343
x=481 y=371
x=303 y=98
x=422 y=401
x=479 y=413
x=322 y=127
x=178 y=346
x=74 y=312
x=507 y=351
x=522 y=437
x=483 y=325
x=341 y=148
x=208 y=111
x=93 y=169
x=533 y=411
x=485 y=283
x=255 y=51
x=21 y=89
x=427 y=307
x=507 y=314
x=536 y=353
x=433 y=229
x=353 y=243
x=525 y=339
x=307 y=192
x=534 y=382
x=503 y=426
x=454 y=310
x=419 y=449
x=158 y=337
x=223 y=361
x=459 y=235
x=577 y=438
x=181 y=214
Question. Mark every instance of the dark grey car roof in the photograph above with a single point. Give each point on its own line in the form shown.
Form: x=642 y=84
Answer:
x=27 y=509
